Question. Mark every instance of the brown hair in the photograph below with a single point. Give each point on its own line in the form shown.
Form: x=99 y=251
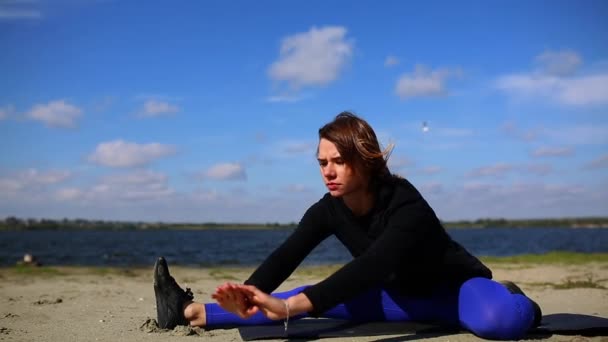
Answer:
x=358 y=145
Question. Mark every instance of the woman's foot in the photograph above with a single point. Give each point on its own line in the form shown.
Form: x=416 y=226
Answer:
x=513 y=288
x=170 y=298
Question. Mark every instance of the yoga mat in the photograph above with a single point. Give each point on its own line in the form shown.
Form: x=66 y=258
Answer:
x=573 y=324
x=559 y=324
x=328 y=328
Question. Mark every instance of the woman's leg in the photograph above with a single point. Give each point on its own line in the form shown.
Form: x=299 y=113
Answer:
x=373 y=305
x=482 y=306
x=386 y=305
x=489 y=310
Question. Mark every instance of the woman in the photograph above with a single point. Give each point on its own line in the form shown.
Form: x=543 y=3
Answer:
x=405 y=266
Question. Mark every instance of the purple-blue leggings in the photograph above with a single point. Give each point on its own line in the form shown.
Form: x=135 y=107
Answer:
x=482 y=306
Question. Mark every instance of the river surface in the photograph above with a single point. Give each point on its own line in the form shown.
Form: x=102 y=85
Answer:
x=250 y=247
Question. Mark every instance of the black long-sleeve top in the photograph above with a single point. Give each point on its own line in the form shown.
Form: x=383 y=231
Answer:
x=399 y=244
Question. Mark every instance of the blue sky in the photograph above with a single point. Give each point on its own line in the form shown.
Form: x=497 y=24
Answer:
x=196 y=111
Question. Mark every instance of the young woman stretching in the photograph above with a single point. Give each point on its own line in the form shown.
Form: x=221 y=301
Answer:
x=405 y=266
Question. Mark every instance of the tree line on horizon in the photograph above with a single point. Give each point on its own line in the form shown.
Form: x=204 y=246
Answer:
x=14 y=223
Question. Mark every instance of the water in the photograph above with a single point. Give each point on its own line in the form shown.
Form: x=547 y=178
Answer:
x=250 y=247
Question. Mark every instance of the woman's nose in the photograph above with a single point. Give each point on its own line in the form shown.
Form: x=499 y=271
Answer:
x=329 y=171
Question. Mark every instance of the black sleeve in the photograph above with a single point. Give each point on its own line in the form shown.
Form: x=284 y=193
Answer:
x=279 y=265
x=398 y=247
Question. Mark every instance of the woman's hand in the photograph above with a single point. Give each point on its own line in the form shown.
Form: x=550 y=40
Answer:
x=232 y=298
x=272 y=307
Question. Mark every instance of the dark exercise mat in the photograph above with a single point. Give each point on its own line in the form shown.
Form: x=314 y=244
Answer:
x=328 y=328
x=573 y=324
x=560 y=324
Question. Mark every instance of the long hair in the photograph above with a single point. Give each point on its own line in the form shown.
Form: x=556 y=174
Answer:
x=358 y=145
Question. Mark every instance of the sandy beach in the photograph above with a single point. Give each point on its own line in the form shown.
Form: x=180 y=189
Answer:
x=103 y=304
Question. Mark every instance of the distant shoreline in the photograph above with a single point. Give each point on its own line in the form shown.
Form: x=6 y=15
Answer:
x=13 y=223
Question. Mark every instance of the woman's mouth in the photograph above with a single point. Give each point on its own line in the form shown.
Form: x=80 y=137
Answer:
x=332 y=186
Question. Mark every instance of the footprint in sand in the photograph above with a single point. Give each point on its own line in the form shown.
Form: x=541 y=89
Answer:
x=48 y=301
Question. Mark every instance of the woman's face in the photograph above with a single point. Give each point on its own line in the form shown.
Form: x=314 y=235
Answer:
x=339 y=177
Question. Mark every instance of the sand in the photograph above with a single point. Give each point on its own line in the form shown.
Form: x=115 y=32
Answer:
x=98 y=304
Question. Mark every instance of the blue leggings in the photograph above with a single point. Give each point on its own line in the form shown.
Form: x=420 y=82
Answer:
x=482 y=306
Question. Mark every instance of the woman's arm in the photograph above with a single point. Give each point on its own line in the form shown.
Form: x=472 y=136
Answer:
x=275 y=308
x=279 y=265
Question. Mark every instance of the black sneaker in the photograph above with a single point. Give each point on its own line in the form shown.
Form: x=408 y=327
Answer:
x=538 y=314
x=170 y=298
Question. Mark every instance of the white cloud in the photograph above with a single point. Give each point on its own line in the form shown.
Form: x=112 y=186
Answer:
x=6 y=111
x=123 y=191
x=312 y=58
x=32 y=179
x=539 y=169
x=19 y=9
x=119 y=153
x=399 y=163
x=585 y=90
x=598 y=163
x=520 y=200
x=495 y=170
x=424 y=82
x=69 y=194
x=226 y=171
x=139 y=185
x=578 y=134
x=511 y=129
x=552 y=152
x=124 y=188
x=430 y=189
x=297 y=188
x=299 y=147
x=55 y=114
x=154 y=108
x=431 y=170
x=555 y=81
x=559 y=63
x=391 y=61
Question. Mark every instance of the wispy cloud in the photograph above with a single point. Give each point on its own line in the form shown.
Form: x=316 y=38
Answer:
x=226 y=171
x=559 y=63
x=431 y=170
x=552 y=152
x=19 y=9
x=296 y=188
x=496 y=170
x=555 y=81
x=31 y=178
x=512 y=130
x=6 y=111
x=57 y=113
x=581 y=134
x=284 y=98
x=120 y=153
x=399 y=162
x=424 y=82
x=298 y=147
x=598 y=163
x=140 y=185
x=538 y=169
x=391 y=61
x=312 y=58
x=155 y=108
x=430 y=189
